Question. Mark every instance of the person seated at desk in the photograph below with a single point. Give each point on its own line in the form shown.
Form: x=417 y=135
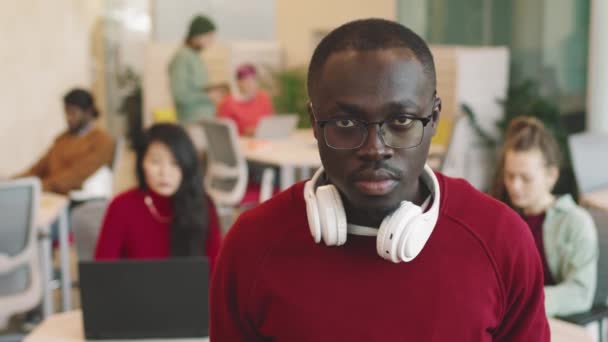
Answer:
x=77 y=153
x=168 y=214
x=564 y=233
x=253 y=104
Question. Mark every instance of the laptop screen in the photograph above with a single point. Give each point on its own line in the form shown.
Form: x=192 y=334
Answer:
x=276 y=126
x=145 y=299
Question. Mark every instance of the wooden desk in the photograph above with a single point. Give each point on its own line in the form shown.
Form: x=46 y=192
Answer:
x=67 y=327
x=596 y=199
x=54 y=208
x=296 y=152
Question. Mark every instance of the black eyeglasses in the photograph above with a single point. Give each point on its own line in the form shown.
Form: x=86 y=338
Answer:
x=398 y=131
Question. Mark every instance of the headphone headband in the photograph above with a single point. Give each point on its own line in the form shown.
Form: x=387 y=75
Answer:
x=427 y=176
x=400 y=237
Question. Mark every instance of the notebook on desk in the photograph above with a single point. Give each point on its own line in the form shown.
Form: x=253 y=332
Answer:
x=145 y=299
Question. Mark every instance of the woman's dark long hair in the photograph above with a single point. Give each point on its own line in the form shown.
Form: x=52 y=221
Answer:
x=190 y=222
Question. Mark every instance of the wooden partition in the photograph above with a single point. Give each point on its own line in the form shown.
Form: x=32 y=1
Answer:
x=477 y=76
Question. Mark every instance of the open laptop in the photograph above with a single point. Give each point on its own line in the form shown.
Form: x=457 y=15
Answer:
x=145 y=299
x=277 y=126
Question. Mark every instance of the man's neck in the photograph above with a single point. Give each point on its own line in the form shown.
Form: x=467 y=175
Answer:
x=86 y=128
x=193 y=48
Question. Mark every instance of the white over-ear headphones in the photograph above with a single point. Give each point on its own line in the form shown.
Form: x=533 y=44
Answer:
x=401 y=236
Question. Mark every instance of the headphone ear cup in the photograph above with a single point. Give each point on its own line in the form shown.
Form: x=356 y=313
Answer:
x=394 y=230
x=312 y=212
x=412 y=242
x=331 y=215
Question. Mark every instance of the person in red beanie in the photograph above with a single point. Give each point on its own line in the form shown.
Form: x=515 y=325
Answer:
x=251 y=106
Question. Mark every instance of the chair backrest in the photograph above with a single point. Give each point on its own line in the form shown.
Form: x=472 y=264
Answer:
x=600 y=218
x=226 y=175
x=17 y=214
x=20 y=280
x=276 y=126
x=85 y=222
x=588 y=153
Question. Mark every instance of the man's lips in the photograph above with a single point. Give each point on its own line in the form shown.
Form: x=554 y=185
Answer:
x=376 y=182
x=376 y=187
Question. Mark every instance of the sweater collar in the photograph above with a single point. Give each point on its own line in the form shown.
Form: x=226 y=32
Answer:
x=162 y=203
x=84 y=130
x=564 y=203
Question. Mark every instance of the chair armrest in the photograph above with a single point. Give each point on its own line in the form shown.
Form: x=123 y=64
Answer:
x=8 y=264
x=596 y=313
x=222 y=171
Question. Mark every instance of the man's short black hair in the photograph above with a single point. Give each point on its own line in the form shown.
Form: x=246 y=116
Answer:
x=82 y=99
x=370 y=34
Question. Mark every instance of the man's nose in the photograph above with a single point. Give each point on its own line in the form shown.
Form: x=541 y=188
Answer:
x=373 y=147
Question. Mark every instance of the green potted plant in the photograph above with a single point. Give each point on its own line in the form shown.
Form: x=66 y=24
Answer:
x=131 y=105
x=288 y=87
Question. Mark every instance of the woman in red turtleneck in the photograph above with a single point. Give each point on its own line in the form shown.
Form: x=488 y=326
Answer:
x=168 y=214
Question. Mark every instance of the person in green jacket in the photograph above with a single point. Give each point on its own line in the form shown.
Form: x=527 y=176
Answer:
x=188 y=74
x=564 y=233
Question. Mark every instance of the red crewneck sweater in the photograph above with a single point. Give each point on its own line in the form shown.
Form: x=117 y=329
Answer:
x=130 y=231
x=246 y=113
x=478 y=278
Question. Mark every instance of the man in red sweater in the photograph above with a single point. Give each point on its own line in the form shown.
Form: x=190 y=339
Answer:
x=448 y=263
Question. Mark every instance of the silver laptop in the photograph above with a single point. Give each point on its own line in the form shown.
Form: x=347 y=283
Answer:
x=278 y=126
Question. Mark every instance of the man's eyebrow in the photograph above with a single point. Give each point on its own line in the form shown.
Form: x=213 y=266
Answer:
x=350 y=108
x=406 y=106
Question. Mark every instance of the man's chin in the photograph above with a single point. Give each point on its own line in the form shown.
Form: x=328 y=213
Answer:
x=376 y=206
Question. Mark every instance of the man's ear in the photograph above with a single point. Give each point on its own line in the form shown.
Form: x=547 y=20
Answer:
x=436 y=110
x=435 y=114
x=311 y=117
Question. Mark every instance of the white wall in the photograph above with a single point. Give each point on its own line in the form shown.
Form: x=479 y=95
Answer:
x=235 y=19
x=45 y=52
x=597 y=101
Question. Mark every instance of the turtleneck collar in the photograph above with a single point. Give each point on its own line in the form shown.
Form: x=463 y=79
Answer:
x=162 y=203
